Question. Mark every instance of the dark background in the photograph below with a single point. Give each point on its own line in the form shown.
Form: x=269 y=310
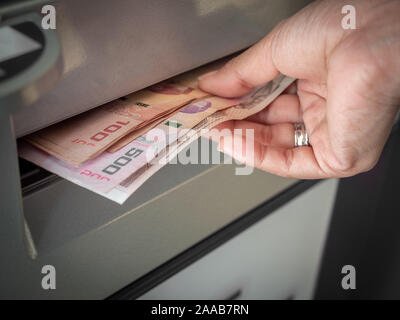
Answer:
x=365 y=232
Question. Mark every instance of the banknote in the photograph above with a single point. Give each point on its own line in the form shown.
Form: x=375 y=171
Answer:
x=128 y=138
x=188 y=79
x=175 y=127
x=85 y=136
x=107 y=170
x=124 y=190
x=99 y=175
x=251 y=104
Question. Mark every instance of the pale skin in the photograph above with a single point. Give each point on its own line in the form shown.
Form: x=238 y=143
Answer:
x=347 y=95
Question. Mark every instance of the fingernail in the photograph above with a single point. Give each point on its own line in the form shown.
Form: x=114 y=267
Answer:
x=207 y=74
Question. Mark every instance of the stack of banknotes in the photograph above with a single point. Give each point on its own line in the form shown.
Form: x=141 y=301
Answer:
x=114 y=148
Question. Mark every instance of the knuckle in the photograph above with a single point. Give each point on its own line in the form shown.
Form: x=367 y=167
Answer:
x=343 y=166
x=349 y=166
x=369 y=164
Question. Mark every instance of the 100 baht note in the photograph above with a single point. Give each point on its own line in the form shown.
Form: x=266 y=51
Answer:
x=85 y=136
x=249 y=105
x=128 y=138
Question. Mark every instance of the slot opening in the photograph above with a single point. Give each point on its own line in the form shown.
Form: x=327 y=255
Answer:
x=34 y=177
x=58 y=211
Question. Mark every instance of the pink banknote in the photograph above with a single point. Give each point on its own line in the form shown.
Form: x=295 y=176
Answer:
x=100 y=174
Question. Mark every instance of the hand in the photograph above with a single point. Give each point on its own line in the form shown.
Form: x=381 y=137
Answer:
x=348 y=92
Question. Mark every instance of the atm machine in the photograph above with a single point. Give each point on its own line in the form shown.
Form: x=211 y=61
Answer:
x=191 y=231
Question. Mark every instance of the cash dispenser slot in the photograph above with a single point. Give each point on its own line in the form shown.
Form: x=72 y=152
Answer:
x=58 y=211
x=34 y=177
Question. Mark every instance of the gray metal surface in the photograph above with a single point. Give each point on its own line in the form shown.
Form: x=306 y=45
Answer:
x=12 y=233
x=114 y=48
x=26 y=87
x=72 y=211
x=258 y=267
x=126 y=242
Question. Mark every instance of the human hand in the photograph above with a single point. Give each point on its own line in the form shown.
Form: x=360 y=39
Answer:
x=348 y=92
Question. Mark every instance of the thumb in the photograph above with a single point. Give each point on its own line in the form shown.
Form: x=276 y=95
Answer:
x=296 y=47
x=243 y=73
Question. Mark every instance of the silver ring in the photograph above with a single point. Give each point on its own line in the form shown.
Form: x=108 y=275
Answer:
x=300 y=135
